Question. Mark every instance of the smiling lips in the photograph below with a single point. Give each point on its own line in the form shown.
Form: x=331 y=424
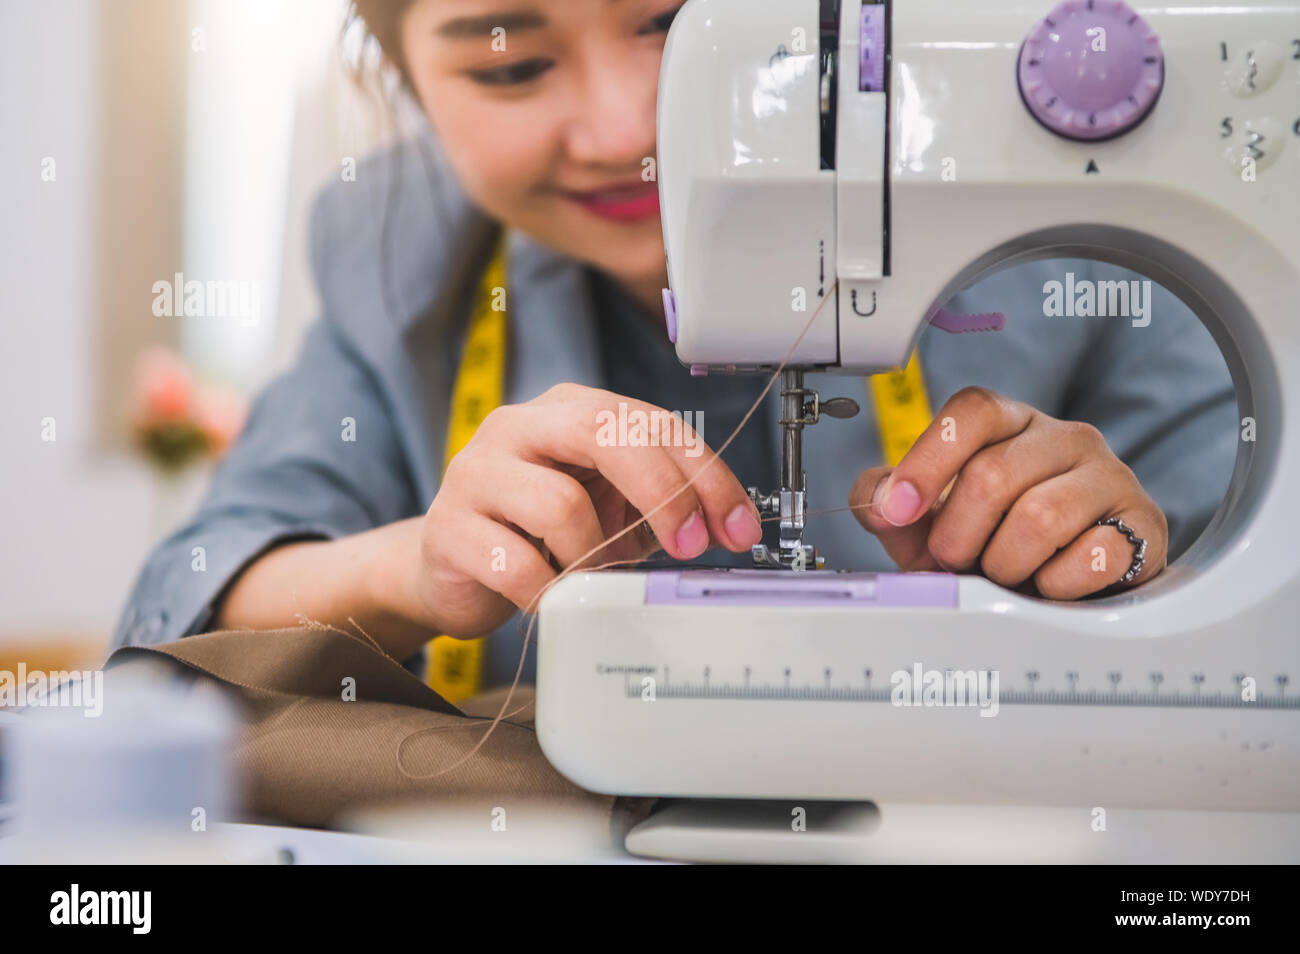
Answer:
x=631 y=203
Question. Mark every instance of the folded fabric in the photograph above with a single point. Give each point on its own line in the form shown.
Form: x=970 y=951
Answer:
x=333 y=726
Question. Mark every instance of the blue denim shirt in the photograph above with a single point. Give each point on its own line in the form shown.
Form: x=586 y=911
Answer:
x=397 y=255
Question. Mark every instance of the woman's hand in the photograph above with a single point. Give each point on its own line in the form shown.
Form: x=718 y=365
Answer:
x=1026 y=493
x=535 y=491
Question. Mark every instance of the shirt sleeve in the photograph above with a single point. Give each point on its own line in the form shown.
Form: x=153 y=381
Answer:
x=1162 y=396
x=318 y=459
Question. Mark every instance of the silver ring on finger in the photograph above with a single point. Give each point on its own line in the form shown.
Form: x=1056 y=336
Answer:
x=1139 y=547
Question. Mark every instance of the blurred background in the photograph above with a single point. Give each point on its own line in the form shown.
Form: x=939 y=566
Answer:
x=146 y=139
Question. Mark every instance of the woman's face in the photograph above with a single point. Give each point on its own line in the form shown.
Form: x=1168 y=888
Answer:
x=546 y=109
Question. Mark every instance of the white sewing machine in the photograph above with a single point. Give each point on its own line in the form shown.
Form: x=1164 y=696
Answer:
x=889 y=155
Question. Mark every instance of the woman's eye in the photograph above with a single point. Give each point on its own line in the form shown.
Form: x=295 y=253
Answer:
x=661 y=23
x=514 y=74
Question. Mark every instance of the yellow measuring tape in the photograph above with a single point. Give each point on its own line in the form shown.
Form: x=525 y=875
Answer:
x=456 y=665
x=902 y=408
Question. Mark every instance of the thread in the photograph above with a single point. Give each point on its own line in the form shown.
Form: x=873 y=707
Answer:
x=578 y=563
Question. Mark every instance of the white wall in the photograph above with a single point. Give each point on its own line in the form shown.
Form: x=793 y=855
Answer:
x=74 y=523
x=78 y=515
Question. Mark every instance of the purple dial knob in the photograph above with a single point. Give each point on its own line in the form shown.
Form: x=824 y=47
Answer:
x=1091 y=69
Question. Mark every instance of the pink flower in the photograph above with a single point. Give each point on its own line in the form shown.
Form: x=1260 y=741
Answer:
x=178 y=421
x=164 y=386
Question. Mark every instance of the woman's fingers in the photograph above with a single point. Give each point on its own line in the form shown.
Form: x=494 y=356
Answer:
x=652 y=478
x=491 y=555
x=1101 y=555
x=991 y=482
x=1044 y=519
x=996 y=486
x=549 y=482
x=1050 y=534
x=908 y=546
x=565 y=433
x=972 y=419
x=541 y=501
x=733 y=520
x=938 y=507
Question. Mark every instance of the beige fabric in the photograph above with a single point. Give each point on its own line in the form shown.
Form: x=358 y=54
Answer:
x=308 y=756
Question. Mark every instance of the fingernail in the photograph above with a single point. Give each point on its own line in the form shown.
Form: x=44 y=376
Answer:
x=899 y=503
x=742 y=525
x=693 y=536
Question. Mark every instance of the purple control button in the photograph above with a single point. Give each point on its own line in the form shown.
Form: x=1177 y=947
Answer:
x=1091 y=69
x=811 y=588
x=670 y=314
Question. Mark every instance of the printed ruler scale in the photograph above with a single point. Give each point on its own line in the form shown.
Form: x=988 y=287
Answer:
x=705 y=688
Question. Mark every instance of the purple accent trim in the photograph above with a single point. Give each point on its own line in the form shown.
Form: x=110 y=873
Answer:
x=871 y=49
x=937 y=590
x=955 y=323
x=810 y=588
x=670 y=314
x=1080 y=91
x=699 y=370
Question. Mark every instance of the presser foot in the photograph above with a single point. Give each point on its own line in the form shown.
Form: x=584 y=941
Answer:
x=805 y=558
x=791 y=553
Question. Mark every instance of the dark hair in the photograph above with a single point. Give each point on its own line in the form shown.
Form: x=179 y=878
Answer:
x=382 y=22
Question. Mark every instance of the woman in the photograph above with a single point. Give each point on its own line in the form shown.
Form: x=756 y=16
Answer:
x=334 y=506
